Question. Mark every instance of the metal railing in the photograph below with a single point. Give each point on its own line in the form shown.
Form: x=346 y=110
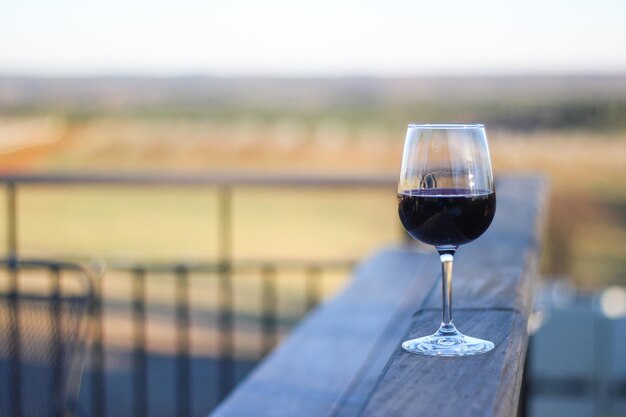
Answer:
x=45 y=306
x=223 y=270
x=224 y=184
x=182 y=273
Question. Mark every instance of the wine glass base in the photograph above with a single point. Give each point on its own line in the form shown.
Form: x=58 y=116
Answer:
x=447 y=343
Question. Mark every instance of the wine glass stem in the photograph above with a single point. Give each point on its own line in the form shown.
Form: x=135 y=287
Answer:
x=446 y=291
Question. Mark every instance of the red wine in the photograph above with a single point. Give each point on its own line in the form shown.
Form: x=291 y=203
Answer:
x=446 y=216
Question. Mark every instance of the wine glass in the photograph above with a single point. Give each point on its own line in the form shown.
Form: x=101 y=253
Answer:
x=446 y=198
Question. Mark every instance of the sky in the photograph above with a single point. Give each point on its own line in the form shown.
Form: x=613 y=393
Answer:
x=312 y=38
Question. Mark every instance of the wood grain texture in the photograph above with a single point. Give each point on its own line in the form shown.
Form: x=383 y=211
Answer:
x=482 y=385
x=344 y=359
x=314 y=371
x=492 y=295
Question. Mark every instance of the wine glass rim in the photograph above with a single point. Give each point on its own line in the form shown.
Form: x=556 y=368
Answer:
x=446 y=125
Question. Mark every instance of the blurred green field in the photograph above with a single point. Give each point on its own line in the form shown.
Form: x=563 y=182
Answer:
x=168 y=224
x=585 y=236
x=172 y=224
x=571 y=129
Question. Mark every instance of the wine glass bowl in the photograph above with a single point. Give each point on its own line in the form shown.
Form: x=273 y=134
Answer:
x=446 y=198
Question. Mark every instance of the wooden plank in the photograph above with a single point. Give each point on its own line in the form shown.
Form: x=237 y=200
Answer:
x=482 y=385
x=364 y=382
x=315 y=371
x=344 y=360
x=492 y=298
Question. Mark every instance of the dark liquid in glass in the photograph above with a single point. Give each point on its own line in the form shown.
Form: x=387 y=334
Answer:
x=446 y=216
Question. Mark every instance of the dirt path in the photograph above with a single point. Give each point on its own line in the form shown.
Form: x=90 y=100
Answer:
x=30 y=156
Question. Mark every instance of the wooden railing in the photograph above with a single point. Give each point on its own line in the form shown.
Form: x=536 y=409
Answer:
x=344 y=358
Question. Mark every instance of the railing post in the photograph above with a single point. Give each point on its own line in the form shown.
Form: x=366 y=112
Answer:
x=15 y=357
x=183 y=367
x=225 y=232
x=14 y=315
x=139 y=357
x=15 y=368
x=312 y=290
x=11 y=195
x=98 y=403
x=268 y=301
x=56 y=386
x=15 y=354
x=226 y=369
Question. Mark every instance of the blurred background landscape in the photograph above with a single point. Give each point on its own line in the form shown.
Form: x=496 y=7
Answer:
x=571 y=128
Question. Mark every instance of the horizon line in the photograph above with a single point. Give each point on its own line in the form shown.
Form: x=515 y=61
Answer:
x=265 y=76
